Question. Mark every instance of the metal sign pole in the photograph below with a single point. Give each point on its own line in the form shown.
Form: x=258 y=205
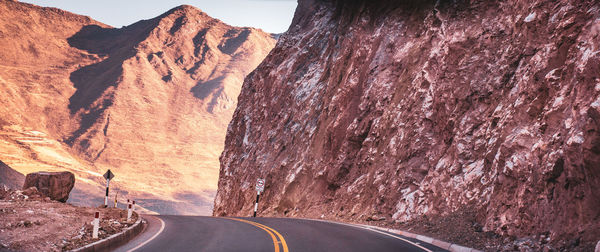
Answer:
x=106 y=197
x=108 y=176
x=256 y=204
x=260 y=186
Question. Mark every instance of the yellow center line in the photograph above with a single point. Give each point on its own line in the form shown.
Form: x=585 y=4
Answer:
x=270 y=231
x=283 y=243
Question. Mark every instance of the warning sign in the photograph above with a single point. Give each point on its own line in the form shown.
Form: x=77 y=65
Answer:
x=260 y=185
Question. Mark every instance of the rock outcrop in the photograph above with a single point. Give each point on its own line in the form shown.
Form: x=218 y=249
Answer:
x=10 y=178
x=400 y=109
x=151 y=101
x=56 y=185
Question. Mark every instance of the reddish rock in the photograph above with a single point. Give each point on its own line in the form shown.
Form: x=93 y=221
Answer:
x=56 y=185
x=33 y=193
x=402 y=109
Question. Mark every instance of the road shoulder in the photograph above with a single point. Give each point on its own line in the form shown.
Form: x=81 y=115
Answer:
x=152 y=228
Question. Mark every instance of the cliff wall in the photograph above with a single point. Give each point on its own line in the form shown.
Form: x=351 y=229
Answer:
x=402 y=109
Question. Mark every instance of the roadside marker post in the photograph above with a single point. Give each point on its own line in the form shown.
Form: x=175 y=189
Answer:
x=96 y=223
x=133 y=206
x=108 y=176
x=116 y=199
x=260 y=187
x=129 y=213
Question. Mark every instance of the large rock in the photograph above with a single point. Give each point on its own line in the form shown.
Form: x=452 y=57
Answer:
x=56 y=185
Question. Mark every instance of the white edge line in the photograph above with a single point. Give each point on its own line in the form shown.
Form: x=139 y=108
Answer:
x=162 y=227
x=375 y=230
x=421 y=247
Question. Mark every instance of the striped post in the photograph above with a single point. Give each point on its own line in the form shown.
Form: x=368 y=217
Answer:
x=256 y=203
x=129 y=213
x=133 y=206
x=106 y=197
x=96 y=223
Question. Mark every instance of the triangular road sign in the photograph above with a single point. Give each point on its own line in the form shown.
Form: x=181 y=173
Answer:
x=108 y=175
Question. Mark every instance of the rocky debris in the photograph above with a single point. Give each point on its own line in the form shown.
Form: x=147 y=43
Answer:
x=56 y=185
x=30 y=193
x=53 y=226
x=460 y=227
x=111 y=223
x=9 y=177
x=156 y=94
x=406 y=109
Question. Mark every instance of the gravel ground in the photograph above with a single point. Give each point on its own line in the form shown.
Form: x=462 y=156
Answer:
x=33 y=223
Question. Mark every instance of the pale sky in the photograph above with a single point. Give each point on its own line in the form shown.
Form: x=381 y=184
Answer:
x=272 y=16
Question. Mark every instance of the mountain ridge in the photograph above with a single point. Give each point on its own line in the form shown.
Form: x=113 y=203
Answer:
x=150 y=100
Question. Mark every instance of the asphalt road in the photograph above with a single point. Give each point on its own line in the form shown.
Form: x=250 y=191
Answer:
x=197 y=233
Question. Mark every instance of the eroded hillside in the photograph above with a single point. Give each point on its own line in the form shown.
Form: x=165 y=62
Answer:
x=151 y=100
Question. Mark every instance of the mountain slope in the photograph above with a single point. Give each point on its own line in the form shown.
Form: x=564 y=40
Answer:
x=391 y=110
x=10 y=178
x=149 y=101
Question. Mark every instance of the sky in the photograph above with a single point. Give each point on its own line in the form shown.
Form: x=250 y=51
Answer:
x=272 y=16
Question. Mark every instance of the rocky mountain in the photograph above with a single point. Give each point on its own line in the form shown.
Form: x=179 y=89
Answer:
x=150 y=101
x=10 y=178
x=394 y=110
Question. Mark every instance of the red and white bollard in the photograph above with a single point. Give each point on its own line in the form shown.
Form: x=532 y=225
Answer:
x=129 y=211
x=96 y=223
x=133 y=207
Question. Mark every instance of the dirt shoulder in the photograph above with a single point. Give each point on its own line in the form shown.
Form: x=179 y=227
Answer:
x=37 y=224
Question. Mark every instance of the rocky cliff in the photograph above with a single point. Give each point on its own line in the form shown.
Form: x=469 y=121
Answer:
x=393 y=110
x=151 y=100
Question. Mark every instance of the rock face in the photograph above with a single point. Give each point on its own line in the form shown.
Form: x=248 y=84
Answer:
x=150 y=101
x=400 y=109
x=10 y=178
x=56 y=185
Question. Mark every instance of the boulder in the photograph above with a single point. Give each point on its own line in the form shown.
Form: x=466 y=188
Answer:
x=56 y=185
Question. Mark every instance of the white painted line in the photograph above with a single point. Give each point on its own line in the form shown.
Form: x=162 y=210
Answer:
x=384 y=233
x=162 y=227
x=400 y=238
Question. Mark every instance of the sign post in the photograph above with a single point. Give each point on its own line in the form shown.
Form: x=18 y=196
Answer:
x=108 y=176
x=260 y=187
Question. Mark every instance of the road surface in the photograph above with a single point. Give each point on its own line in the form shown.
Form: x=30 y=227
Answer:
x=199 y=233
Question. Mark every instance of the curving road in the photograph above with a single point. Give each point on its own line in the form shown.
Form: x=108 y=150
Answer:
x=198 y=233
